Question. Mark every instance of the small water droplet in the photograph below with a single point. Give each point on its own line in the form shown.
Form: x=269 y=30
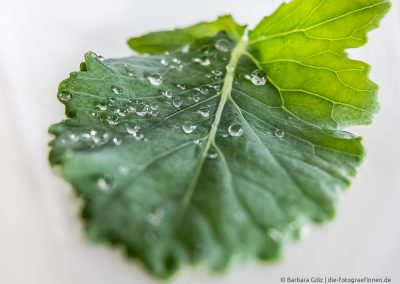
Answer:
x=185 y=48
x=112 y=119
x=111 y=102
x=155 y=79
x=196 y=98
x=141 y=109
x=212 y=155
x=155 y=217
x=204 y=111
x=258 y=78
x=64 y=96
x=230 y=68
x=177 y=102
x=188 y=127
x=222 y=45
x=204 y=60
x=132 y=128
x=101 y=58
x=164 y=61
x=104 y=184
x=167 y=94
x=198 y=142
x=235 y=130
x=116 y=90
x=274 y=234
x=117 y=141
x=154 y=113
x=181 y=86
x=279 y=133
x=217 y=72
x=121 y=111
x=154 y=106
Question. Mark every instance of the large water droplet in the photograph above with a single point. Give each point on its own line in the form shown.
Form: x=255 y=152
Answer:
x=188 y=127
x=258 y=78
x=177 y=102
x=155 y=79
x=222 y=45
x=279 y=133
x=64 y=96
x=235 y=130
x=116 y=90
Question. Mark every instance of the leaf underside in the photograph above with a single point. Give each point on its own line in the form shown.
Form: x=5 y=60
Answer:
x=213 y=149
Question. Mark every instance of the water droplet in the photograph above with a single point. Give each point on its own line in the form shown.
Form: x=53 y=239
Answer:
x=121 y=111
x=155 y=217
x=155 y=79
x=235 y=130
x=274 y=234
x=116 y=90
x=185 y=48
x=154 y=113
x=222 y=45
x=111 y=102
x=230 y=68
x=177 y=102
x=217 y=72
x=167 y=94
x=198 y=142
x=176 y=60
x=196 y=98
x=258 y=78
x=164 y=61
x=117 y=141
x=92 y=54
x=204 y=89
x=92 y=132
x=132 y=128
x=212 y=155
x=154 y=106
x=188 y=127
x=112 y=119
x=141 y=109
x=181 y=86
x=279 y=133
x=64 y=96
x=101 y=58
x=104 y=184
x=204 y=111
x=204 y=60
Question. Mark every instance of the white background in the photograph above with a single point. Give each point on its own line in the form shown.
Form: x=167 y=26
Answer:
x=41 y=239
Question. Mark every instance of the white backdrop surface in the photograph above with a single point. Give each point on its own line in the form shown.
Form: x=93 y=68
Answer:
x=41 y=238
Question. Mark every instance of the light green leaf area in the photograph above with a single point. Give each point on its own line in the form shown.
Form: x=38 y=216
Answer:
x=223 y=150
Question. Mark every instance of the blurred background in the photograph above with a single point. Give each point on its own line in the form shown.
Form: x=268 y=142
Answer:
x=41 y=238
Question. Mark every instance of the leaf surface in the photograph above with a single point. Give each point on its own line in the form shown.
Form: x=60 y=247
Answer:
x=223 y=150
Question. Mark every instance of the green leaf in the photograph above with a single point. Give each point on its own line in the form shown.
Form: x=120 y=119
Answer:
x=224 y=150
x=158 y=42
